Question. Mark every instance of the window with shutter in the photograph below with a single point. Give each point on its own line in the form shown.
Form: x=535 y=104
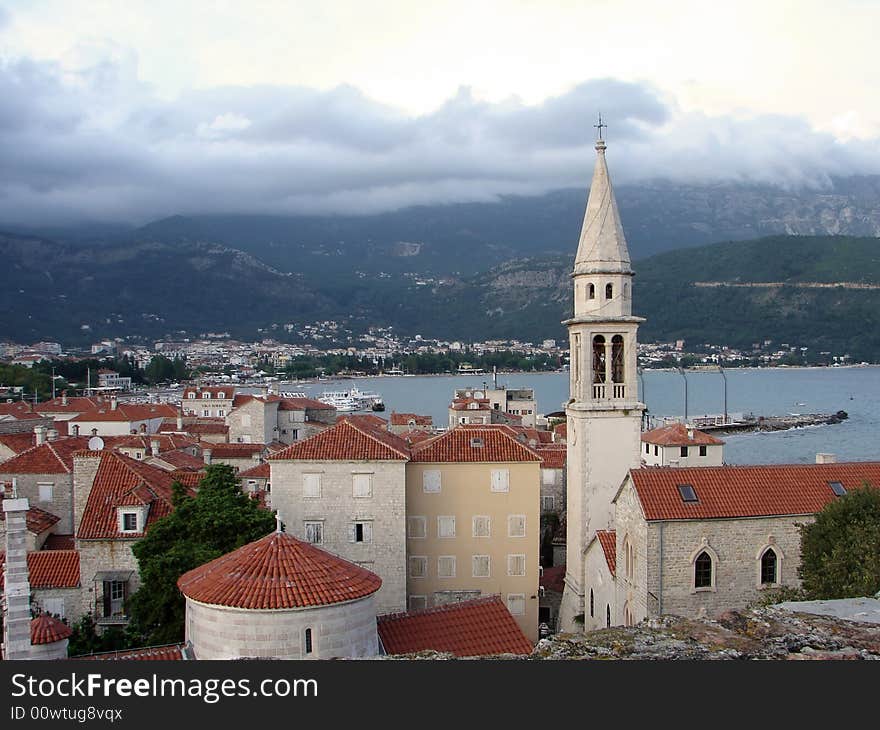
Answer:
x=418 y=566
x=416 y=527
x=361 y=532
x=516 y=604
x=516 y=525
x=548 y=477
x=417 y=603
x=548 y=504
x=446 y=526
x=45 y=491
x=480 y=566
x=312 y=486
x=314 y=532
x=362 y=485
x=446 y=566
x=500 y=480
x=516 y=565
x=482 y=526
x=431 y=480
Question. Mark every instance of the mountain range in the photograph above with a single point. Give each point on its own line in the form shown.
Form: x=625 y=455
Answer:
x=467 y=271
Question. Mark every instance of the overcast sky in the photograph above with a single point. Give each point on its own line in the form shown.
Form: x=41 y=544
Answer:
x=128 y=111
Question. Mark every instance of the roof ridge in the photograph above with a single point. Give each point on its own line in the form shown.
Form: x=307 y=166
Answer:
x=369 y=432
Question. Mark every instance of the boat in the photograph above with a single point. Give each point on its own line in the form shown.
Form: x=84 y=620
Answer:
x=468 y=369
x=352 y=400
x=293 y=394
x=340 y=400
x=378 y=405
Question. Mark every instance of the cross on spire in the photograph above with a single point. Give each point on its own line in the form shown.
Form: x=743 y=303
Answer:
x=600 y=125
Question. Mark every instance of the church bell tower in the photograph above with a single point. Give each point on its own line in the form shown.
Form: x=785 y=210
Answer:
x=603 y=412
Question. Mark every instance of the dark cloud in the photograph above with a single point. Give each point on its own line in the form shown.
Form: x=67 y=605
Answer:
x=100 y=145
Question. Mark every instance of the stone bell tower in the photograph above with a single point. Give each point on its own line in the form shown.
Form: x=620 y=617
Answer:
x=603 y=412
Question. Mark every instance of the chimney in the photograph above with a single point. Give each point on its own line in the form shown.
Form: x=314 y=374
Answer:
x=154 y=446
x=40 y=435
x=113 y=403
x=17 y=590
x=826 y=458
x=64 y=397
x=690 y=432
x=180 y=420
x=75 y=429
x=143 y=428
x=52 y=434
x=206 y=455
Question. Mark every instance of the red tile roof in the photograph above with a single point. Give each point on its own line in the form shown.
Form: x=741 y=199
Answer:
x=122 y=481
x=201 y=428
x=182 y=459
x=47 y=630
x=415 y=436
x=17 y=408
x=172 y=652
x=52 y=457
x=608 y=541
x=125 y=412
x=482 y=627
x=232 y=451
x=59 y=542
x=465 y=404
x=37 y=520
x=73 y=405
x=18 y=442
x=366 y=419
x=561 y=430
x=278 y=571
x=553 y=455
x=746 y=491
x=213 y=390
x=188 y=478
x=302 y=404
x=553 y=578
x=348 y=440
x=167 y=441
x=260 y=471
x=676 y=434
x=457 y=445
x=410 y=419
x=50 y=568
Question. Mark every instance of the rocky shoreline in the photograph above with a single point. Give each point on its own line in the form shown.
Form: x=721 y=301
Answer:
x=777 y=423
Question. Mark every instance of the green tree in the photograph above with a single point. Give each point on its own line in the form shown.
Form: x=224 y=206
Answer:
x=840 y=551
x=219 y=519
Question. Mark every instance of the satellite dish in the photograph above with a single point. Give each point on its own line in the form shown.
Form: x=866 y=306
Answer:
x=96 y=443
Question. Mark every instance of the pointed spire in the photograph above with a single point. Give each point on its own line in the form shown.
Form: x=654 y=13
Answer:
x=602 y=246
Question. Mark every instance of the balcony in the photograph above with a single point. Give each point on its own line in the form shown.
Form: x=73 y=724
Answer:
x=601 y=391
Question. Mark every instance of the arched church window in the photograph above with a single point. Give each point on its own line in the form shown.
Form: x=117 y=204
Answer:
x=591 y=291
x=703 y=571
x=591 y=603
x=617 y=359
x=609 y=291
x=768 y=566
x=598 y=359
x=608 y=616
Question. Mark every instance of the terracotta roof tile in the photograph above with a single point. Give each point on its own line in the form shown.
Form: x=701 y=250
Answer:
x=746 y=491
x=234 y=450
x=302 y=404
x=365 y=419
x=122 y=481
x=47 y=630
x=278 y=571
x=482 y=627
x=125 y=412
x=410 y=419
x=459 y=445
x=608 y=541
x=18 y=442
x=676 y=434
x=52 y=457
x=59 y=542
x=170 y=652
x=554 y=455
x=553 y=578
x=37 y=520
x=77 y=404
x=187 y=478
x=50 y=568
x=415 y=436
x=16 y=408
x=182 y=459
x=261 y=471
x=348 y=440
x=467 y=404
x=214 y=391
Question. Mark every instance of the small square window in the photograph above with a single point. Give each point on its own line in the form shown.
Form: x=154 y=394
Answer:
x=480 y=566
x=516 y=565
x=481 y=526
x=129 y=522
x=446 y=566
x=362 y=485
x=418 y=566
x=500 y=480
x=548 y=503
x=516 y=525
x=516 y=604
x=361 y=532
x=46 y=492
x=416 y=527
x=684 y=451
x=431 y=480
x=418 y=603
x=446 y=526
x=312 y=486
x=703 y=451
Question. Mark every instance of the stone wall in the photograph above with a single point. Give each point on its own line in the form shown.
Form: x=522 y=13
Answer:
x=96 y=556
x=339 y=630
x=736 y=546
x=598 y=583
x=631 y=592
x=338 y=509
x=61 y=504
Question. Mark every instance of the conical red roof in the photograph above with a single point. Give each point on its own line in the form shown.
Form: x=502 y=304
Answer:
x=278 y=571
x=46 y=629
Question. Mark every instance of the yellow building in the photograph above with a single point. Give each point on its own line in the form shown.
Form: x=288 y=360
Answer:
x=473 y=521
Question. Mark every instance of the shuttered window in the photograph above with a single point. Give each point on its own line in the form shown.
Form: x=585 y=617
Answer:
x=431 y=480
x=446 y=526
x=418 y=566
x=446 y=566
x=516 y=565
x=311 y=486
x=500 y=480
x=360 y=532
x=416 y=527
x=362 y=485
x=482 y=526
x=480 y=566
x=516 y=604
x=516 y=525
